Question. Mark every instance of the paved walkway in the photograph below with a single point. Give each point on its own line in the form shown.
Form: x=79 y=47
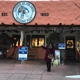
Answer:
x=36 y=70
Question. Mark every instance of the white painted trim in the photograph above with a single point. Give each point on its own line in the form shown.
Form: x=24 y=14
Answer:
x=73 y=76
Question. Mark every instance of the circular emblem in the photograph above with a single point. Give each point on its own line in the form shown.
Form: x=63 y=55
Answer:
x=24 y=12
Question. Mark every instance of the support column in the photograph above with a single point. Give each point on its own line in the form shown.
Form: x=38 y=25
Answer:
x=61 y=50
x=25 y=39
x=22 y=37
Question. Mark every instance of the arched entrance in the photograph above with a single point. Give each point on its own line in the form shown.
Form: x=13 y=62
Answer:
x=54 y=38
x=5 y=43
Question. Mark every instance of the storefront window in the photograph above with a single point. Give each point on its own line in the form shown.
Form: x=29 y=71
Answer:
x=41 y=41
x=18 y=43
x=34 y=42
x=16 y=40
x=38 y=41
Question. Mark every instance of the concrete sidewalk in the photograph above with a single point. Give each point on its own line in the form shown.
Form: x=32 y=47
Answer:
x=36 y=70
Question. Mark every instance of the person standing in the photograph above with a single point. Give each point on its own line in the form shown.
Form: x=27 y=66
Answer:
x=49 y=49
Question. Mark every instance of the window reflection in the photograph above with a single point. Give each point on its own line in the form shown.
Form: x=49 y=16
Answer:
x=41 y=41
x=37 y=42
x=34 y=42
x=17 y=42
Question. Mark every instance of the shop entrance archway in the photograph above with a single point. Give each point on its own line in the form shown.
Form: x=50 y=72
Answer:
x=70 y=48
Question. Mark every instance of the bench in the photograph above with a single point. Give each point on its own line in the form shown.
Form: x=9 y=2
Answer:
x=32 y=53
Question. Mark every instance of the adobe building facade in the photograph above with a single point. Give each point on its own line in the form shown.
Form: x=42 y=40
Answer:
x=47 y=12
x=62 y=11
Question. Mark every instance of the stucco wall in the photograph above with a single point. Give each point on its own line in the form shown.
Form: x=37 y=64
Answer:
x=64 y=12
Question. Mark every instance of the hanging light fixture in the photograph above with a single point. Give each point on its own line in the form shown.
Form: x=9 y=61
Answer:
x=38 y=31
x=3 y=24
x=48 y=24
x=60 y=24
x=14 y=24
x=46 y=31
x=36 y=24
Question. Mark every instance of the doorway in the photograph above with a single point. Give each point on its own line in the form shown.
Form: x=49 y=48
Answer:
x=70 y=48
x=5 y=43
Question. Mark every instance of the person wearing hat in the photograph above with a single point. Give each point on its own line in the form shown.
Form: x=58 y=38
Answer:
x=49 y=49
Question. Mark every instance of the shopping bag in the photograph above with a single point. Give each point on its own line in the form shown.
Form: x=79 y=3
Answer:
x=55 y=63
x=52 y=60
x=50 y=56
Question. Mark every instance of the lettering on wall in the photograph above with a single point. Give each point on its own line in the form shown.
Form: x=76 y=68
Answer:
x=44 y=14
x=4 y=14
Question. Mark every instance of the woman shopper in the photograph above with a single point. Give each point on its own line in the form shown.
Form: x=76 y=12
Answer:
x=49 y=49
